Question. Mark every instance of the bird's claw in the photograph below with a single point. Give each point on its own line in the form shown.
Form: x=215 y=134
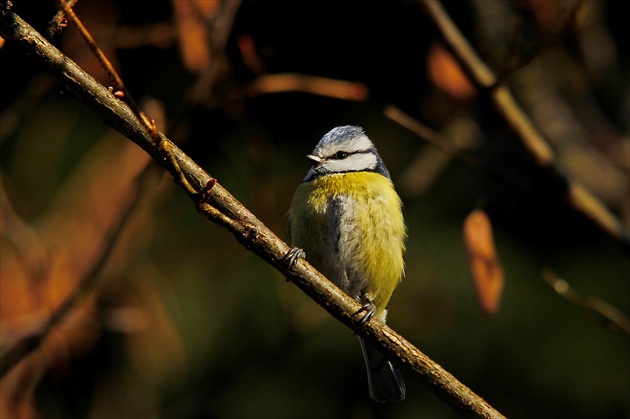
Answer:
x=370 y=309
x=293 y=255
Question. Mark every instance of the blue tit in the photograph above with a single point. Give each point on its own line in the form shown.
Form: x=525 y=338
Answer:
x=347 y=218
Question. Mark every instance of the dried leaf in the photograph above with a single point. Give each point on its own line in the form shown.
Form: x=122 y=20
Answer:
x=485 y=266
x=249 y=55
x=447 y=75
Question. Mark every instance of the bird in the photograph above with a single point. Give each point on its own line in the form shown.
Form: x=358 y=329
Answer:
x=346 y=219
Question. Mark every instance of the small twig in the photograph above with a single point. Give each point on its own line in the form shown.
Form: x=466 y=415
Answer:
x=119 y=90
x=201 y=198
x=598 y=306
x=96 y=50
x=167 y=150
x=59 y=21
x=436 y=139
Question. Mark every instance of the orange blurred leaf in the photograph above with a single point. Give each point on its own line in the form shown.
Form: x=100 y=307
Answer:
x=485 y=267
x=447 y=75
x=249 y=55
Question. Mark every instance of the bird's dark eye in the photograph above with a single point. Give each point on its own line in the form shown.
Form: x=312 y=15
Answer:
x=340 y=155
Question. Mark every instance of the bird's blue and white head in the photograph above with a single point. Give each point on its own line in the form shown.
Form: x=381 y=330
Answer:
x=345 y=149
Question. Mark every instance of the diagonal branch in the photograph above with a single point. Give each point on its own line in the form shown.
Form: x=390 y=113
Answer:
x=222 y=208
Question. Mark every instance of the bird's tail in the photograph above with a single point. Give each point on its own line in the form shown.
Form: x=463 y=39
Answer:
x=384 y=380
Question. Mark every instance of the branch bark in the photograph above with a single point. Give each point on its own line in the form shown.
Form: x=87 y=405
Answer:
x=220 y=207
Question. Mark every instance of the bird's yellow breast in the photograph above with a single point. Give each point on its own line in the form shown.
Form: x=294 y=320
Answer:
x=352 y=229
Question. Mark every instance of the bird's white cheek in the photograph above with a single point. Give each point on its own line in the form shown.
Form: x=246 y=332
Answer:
x=355 y=162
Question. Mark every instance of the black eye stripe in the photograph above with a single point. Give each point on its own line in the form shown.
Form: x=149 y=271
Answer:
x=340 y=155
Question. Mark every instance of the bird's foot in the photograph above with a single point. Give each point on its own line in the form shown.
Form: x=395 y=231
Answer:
x=370 y=310
x=293 y=255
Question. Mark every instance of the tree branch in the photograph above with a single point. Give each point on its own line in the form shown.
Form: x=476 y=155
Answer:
x=220 y=207
x=576 y=196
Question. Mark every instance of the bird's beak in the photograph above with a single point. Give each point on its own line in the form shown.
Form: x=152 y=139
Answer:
x=313 y=158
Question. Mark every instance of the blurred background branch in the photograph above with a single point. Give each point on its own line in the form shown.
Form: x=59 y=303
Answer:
x=575 y=195
x=12 y=355
x=601 y=308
